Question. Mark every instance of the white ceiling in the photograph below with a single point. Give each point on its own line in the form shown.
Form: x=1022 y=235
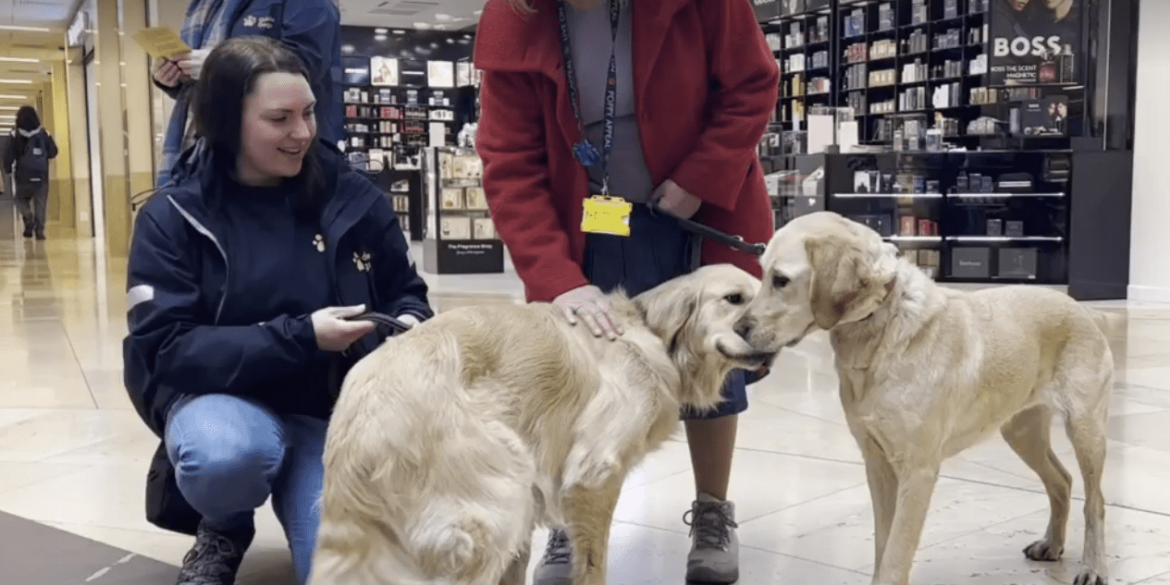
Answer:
x=426 y=14
x=51 y=14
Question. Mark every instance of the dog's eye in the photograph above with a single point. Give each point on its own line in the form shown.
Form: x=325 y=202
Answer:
x=734 y=298
x=779 y=281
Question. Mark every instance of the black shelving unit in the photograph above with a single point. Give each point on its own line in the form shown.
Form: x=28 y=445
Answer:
x=896 y=54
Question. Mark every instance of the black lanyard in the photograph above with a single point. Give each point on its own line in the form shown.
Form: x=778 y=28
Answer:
x=583 y=151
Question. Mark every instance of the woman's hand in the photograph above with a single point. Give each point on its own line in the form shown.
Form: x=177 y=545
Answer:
x=590 y=305
x=167 y=72
x=192 y=63
x=334 y=332
x=675 y=200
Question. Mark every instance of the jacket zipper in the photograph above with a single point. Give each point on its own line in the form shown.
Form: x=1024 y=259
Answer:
x=206 y=232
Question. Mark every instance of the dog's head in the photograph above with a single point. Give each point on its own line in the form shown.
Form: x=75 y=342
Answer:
x=695 y=315
x=820 y=270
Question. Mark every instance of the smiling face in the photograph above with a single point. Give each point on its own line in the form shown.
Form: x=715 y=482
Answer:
x=820 y=271
x=277 y=128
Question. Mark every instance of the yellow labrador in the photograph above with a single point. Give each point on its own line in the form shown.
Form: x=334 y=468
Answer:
x=452 y=442
x=925 y=372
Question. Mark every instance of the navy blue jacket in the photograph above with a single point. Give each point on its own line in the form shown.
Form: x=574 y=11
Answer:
x=180 y=281
x=312 y=29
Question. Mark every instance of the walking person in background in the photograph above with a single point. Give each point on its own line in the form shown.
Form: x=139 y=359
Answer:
x=27 y=160
x=311 y=28
x=691 y=85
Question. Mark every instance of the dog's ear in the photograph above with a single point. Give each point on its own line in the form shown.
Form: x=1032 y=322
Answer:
x=836 y=280
x=668 y=307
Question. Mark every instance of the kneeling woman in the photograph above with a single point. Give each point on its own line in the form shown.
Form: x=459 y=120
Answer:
x=243 y=273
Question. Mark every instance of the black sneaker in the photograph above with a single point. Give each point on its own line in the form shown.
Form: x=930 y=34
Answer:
x=215 y=558
x=28 y=232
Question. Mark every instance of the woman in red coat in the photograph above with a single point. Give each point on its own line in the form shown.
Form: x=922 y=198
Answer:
x=691 y=85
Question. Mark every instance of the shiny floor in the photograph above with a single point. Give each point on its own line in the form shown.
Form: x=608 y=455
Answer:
x=73 y=455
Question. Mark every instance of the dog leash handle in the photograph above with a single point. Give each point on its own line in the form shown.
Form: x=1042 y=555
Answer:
x=395 y=325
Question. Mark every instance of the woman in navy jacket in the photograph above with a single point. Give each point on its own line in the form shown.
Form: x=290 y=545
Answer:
x=311 y=28
x=243 y=273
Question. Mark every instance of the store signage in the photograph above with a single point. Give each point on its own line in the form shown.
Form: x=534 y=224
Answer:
x=470 y=256
x=1035 y=42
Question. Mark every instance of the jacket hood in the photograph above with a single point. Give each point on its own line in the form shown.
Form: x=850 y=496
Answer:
x=30 y=133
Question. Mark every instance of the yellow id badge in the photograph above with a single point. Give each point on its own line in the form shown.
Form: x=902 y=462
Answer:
x=607 y=215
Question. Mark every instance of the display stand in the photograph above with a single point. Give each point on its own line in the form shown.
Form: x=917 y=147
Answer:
x=396 y=107
x=963 y=156
x=460 y=236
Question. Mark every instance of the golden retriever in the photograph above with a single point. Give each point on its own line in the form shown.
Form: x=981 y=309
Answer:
x=926 y=371
x=452 y=442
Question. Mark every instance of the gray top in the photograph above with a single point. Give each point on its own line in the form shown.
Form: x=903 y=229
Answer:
x=591 y=39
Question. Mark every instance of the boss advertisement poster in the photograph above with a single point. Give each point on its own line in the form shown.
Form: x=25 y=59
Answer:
x=1034 y=42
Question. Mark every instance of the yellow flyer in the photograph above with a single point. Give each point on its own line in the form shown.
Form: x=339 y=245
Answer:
x=161 y=42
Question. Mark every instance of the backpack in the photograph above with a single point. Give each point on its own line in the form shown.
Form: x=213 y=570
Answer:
x=32 y=166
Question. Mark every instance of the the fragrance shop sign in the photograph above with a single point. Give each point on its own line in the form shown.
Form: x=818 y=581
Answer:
x=1034 y=42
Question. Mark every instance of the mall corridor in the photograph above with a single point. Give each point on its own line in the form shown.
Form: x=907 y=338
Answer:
x=73 y=457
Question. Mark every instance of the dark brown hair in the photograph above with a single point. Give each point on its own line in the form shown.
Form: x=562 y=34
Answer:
x=229 y=76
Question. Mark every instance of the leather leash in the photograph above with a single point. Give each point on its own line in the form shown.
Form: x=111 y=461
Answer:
x=735 y=242
x=395 y=325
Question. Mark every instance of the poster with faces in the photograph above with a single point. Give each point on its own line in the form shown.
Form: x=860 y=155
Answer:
x=383 y=71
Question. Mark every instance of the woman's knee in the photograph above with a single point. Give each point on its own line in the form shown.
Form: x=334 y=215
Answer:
x=225 y=447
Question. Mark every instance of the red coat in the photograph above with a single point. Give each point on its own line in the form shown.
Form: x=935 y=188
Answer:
x=706 y=86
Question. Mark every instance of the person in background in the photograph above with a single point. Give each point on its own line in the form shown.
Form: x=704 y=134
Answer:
x=244 y=275
x=693 y=85
x=311 y=28
x=27 y=160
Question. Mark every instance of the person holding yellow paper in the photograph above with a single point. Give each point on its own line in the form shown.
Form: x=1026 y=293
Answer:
x=311 y=28
x=600 y=120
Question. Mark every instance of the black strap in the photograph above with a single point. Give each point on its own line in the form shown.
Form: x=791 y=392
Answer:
x=735 y=242
x=395 y=325
x=586 y=153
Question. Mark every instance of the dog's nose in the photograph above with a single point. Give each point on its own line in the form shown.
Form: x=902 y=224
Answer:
x=743 y=328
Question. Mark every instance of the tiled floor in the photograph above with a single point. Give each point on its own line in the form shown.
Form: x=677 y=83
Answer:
x=73 y=455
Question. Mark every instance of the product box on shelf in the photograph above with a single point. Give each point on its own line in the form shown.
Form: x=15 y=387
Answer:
x=970 y=262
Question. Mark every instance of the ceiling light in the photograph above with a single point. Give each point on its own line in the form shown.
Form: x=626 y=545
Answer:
x=19 y=60
x=379 y=37
x=422 y=25
x=399 y=32
x=21 y=81
x=380 y=31
x=23 y=28
x=12 y=97
x=9 y=107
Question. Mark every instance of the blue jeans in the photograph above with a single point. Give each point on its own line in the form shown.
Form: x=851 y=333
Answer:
x=231 y=453
x=657 y=250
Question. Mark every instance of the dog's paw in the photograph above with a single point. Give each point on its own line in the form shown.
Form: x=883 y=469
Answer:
x=1041 y=550
x=1090 y=577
